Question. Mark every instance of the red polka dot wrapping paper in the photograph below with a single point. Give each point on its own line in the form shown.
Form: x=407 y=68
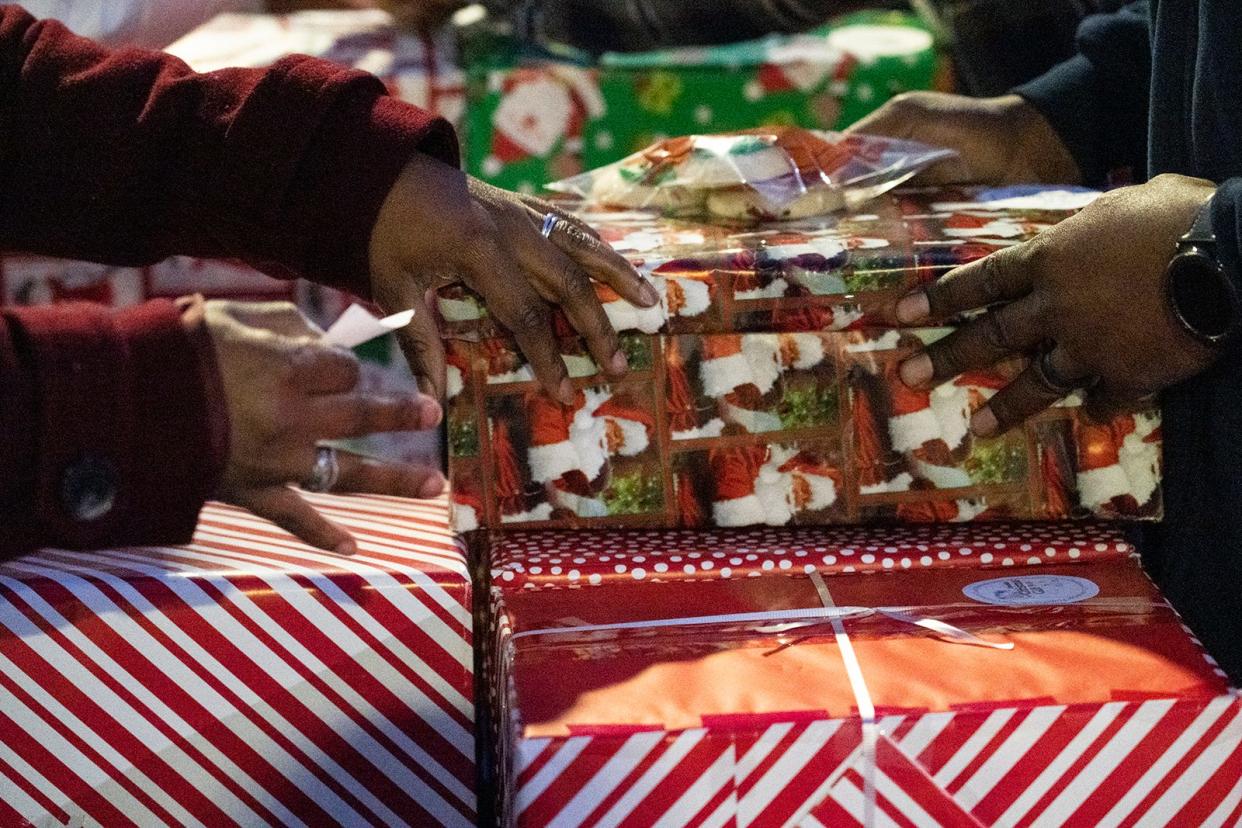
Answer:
x=1105 y=710
x=566 y=559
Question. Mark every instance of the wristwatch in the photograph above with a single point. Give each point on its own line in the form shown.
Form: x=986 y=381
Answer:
x=1203 y=297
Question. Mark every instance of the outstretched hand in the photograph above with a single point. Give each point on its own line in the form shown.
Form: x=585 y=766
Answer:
x=439 y=226
x=285 y=391
x=1090 y=292
x=1000 y=140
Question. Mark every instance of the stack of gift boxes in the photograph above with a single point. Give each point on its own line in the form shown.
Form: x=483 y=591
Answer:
x=806 y=595
x=805 y=599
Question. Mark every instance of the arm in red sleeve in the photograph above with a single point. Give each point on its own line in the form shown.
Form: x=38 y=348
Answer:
x=127 y=157
x=113 y=433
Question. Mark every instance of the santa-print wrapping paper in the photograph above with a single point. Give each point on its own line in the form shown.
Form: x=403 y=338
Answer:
x=1057 y=695
x=764 y=389
x=734 y=430
x=244 y=679
x=832 y=273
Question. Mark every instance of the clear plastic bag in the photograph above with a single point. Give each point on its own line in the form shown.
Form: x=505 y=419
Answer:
x=766 y=174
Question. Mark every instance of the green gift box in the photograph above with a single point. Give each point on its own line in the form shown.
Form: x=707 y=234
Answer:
x=537 y=118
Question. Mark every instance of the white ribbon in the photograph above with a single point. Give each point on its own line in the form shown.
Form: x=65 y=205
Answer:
x=781 y=621
x=862 y=700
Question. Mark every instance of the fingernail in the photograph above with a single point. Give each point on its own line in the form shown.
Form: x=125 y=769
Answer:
x=917 y=371
x=618 y=364
x=430 y=413
x=347 y=547
x=913 y=307
x=432 y=487
x=650 y=296
x=984 y=423
x=566 y=392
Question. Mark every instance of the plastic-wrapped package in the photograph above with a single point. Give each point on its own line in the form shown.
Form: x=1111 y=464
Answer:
x=764 y=174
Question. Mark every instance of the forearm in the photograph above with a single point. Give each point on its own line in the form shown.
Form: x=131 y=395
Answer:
x=629 y=25
x=127 y=156
x=1098 y=100
x=113 y=423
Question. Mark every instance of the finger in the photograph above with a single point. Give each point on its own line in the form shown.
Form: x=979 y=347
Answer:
x=603 y=263
x=1008 y=329
x=1029 y=394
x=419 y=340
x=520 y=309
x=278 y=317
x=340 y=416
x=562 y=281
x=286 y=508
x=322 y=369
x=541 y=208
x=1106 y=403
x=1002 y=276
x=369 y=475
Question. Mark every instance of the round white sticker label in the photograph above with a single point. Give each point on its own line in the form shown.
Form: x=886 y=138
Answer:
x=1032 y=590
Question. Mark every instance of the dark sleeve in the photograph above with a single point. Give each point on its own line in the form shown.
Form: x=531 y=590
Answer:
x=1097 y=101
x=127 y=157
x=1227 y=226
x=113 y=425
x=635 y=25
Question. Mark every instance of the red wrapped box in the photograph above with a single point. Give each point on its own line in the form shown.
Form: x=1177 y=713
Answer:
x=764 y=389
x=1049 y=695
x=243 y=679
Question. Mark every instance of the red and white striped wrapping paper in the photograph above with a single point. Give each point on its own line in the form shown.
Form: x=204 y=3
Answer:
x=243 y=679
x=1105 y=712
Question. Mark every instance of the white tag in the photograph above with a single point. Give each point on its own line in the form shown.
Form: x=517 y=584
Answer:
x=1032 y=590
x=356 y=326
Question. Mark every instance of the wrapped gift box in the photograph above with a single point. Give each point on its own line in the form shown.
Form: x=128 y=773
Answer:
x=862 y=699
x=243 y=679
x=803 y=422
x=837 y=272
x=535 y=119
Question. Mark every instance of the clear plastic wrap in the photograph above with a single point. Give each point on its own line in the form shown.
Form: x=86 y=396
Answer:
x=766 y=174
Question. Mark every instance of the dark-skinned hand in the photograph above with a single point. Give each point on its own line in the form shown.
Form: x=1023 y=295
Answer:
x=285 y=391
x=438 y=226
x=1000 y=140
x=1092 y=289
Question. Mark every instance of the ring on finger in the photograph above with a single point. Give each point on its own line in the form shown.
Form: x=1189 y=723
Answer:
x=325 y=473
x=549 y=224
x=1055 y=380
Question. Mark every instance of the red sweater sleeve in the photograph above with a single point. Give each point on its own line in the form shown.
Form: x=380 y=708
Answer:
x=112 y=433
x=127 y=157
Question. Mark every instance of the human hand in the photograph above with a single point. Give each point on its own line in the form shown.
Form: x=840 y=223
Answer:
x=1000 y=140
x=1092 y=288
x=285 y=391
x=439 y=226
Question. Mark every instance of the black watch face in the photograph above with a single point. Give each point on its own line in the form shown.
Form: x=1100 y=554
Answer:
x=1201 y=296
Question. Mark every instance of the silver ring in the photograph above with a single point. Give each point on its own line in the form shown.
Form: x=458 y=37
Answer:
x=549 y=224
x=1053 y=379
x=326 y=471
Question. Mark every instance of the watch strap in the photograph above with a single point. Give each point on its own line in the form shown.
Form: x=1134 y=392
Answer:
x=1200 y=234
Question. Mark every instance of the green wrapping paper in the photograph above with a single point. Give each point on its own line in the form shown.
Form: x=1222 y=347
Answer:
x=534 y=120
